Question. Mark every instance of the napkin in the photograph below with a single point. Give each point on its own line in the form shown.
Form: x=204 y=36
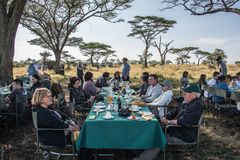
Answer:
x=92 y=117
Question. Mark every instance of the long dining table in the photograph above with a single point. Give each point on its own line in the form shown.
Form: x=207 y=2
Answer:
x=120 y=132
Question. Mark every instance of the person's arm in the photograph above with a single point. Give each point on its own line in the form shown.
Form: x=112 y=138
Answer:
x=162 y=100
x=155 y=93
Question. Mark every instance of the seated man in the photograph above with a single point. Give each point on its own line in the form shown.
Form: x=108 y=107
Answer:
x=157 y=106
x=221 y=84
x=154 y=90
x=187 y=115
x=17 y=90
x=103 y=80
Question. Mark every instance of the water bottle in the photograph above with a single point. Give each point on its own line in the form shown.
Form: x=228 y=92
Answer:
x=119 y=103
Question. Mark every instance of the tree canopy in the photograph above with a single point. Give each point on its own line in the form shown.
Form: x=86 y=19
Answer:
x=53 y=21
x=146 y=28
x=203 y=7
x=183 y=53
x=95 y=51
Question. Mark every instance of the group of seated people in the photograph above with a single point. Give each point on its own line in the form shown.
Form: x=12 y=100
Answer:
x=156 y=95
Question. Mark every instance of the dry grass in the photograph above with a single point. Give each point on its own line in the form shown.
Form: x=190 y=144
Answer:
x=220 y=139
x=170 y=71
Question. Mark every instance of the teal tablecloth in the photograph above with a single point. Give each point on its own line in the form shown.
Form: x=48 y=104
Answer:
x=120 y=133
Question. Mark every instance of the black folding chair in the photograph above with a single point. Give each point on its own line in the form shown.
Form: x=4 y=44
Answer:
x=182 y=146
x=48 y=151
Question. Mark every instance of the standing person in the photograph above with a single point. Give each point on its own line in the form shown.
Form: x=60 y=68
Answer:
x=80 y=72
x=222 y=66
x=125 y=70
x=32 y=69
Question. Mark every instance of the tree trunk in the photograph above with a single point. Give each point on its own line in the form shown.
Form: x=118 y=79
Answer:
x=145 y=56
x=58 y=60
x=91 y=60
x=198 y=61
x=162 y=62
x=9 y=20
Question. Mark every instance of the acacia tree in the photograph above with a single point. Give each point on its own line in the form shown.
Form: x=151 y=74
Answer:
x=10 y=14
x=67 y=58
x=203 y=7
x=211 y=58
x=53 y=21
x=183 y=53
x=95 y=50
x=146 y=28
x=45 y=56
x=162 y=52
x=200 y=55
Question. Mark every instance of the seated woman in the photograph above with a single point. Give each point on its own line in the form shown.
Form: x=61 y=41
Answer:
x=35 y=80
x=143 y=88
x=116 y=80
x=49 y=118
x=202 y=82
x=88 y=86
x=102 y=81
x=221 y=84
x=184 y=82
x=77 y=93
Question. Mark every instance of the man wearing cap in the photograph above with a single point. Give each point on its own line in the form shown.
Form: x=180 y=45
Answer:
x=158 y=105
x=186 y=115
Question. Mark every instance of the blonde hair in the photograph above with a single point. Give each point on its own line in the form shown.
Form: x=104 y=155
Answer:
x=38 y=95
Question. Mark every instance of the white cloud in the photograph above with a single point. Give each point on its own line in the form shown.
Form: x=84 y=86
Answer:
x=210 y=41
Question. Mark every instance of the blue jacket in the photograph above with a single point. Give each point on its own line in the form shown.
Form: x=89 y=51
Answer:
x=221 y=85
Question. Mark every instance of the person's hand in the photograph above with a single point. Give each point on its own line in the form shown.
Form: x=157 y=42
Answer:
x=164 y=121
x=92 y=98
x=143 y=96
x=7 y=99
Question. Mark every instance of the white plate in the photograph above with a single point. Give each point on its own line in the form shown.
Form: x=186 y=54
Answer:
x=98 y=110
x=108 y=117
x=99 y=107
x=145 y=113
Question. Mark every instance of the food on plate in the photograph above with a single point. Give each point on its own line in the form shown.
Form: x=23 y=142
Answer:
x=138 y=103
x=147 y=117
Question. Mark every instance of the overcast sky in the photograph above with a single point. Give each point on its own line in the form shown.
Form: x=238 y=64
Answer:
x=207 y=32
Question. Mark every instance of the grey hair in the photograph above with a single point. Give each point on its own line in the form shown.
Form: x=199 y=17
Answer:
x=197 y=94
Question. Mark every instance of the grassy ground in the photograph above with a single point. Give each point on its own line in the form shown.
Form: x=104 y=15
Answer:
x=219 y=139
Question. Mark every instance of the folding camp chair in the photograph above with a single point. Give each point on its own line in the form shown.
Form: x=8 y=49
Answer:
x=182 y=145
x=47 y=151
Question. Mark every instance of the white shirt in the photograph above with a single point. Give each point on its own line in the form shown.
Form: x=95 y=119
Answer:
x=153 y=92
x=237 y=84
x=164 y=99
x=210 y=83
